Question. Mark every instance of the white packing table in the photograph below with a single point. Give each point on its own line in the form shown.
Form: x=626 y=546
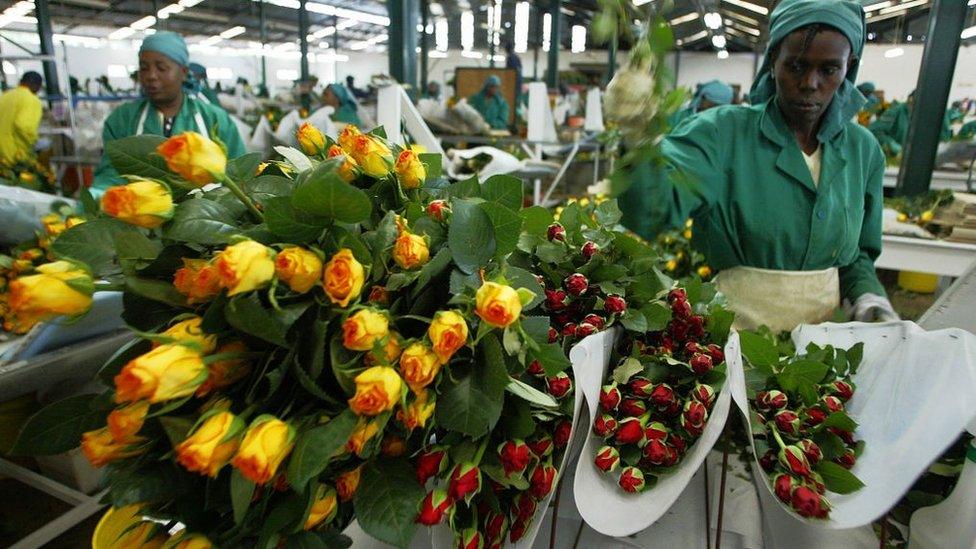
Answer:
x=939 y=257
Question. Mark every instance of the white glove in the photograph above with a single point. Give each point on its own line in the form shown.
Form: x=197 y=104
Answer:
x=873 y=308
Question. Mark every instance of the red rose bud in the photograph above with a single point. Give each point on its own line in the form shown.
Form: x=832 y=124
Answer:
x=630 y=431
x=496 y=525
x=515 y=456
x=681 y=309
x=787 y=422
x=656 y=431
x=768 y=461
x=556 y=300
x=556 y=232
x=662 y=395
x=607 y=459
x=438 y=210
x=716 y=352
x=640 y=387
x=815 y=416
x=525 y=508
x=793 y=459
x=632 y=480
x=771 y=400
x=671 y=410
x=596 y=320
x=847 y=460
x=535 y=368
x=783 y=487
x=655 y=452
x=553 y=334
x=429 y=464
x=540 y=483
x=614 y=304
x=832 y=403
x=569 y=330
x=824 y=512
x=465 y=481
x=677 y=294
x=633 y=407
x=678 y=443
x=695 y=412
x=805 y=502
x=696 y=326
x=672 y=457
x=518 y=530
x=815 y=481
x=576 y=284
x=842 y=390
x=694 y=430
x=701 y=364
x=560 y=436
x=435 y=506
x=679 y=329
x=585 y=329
x=810 y=450
x=541 y=447
x=704 y=394
x=559 y=385
x=470 y=538
x=609 y=397
x=589 y=250
x=846 y=436
x=693 y=347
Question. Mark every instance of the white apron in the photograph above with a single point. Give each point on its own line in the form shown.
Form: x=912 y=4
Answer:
x=781 y=300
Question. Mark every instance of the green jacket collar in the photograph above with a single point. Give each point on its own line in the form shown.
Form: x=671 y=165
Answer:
x=790 y=159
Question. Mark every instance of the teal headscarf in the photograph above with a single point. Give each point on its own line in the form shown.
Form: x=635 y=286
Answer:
x=716 y=91
x=492 y=80
x=847 y=16
x=346 y=112
x=169 y=44
x=866 y=88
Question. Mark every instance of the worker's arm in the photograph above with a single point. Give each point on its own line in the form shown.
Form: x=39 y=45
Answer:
x=503 y=113
x=228 y=134
x=860 y=277
x=106 y=175
x=28 y=119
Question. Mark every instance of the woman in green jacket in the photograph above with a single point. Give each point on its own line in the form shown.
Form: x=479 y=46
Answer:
x=786 y=194
x=713 y=93
x=338 y=97
x=167 y=108
x=490 y=103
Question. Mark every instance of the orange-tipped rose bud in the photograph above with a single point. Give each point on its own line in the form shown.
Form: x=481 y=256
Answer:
x=364 y=328
x=497 y=304
x=419 y=366
x=378 y=390
x=364 y=432
x=417 y=411
x=324 y=508
x=224 y=373
x=197 y=279
x=347 y=137
x=393 y=446
x=245 y=266
x=57 y=289
x=343 y=278
x=73 y=221
x=372 y=155
x=126 y=421
x=194 y=158
x=448 y=332
x=190 y=541
x=145 y=204
x=267 y=443
x=410 y=250
x=391 y=351
x=410 y=170
x=100 y=448
x=348 y=171
x=347 y=483
x=299 y=268
x=310 y=139
x=188 y=332
x=212 y=444
x=380 y=295
x=165 y=373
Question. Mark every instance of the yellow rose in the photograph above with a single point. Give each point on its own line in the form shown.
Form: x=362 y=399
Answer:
x=391 y=350
x=194 y=158
x=310 y=139
x=410 y=250
x=197 y=279
x=497 y=304
x=143 y=203
x=364 y=328
x=343 y=278
x=190 y=541
x=125 y=422
x=27 y=177
x=224 y=373
x=32 y=254
x=267 y=443
x=73 y=221
x=417 y=411
x=100 y=448
x=299 y=268
x=60 y=288
x=410 y=170
x=347 y=483
x=324 y=508
x=372 y=156
x=686 y=234
x=393 y=446
x=165 y=373
x=211 y=445
x=348 y=170
x=419 y=366
x=189 y=332
x=147 y=535
x=245 y=266
x=704 y=271
x=671 y=265
x=364 y=432
x=347 y=137
x=448 y=332
x=378 y=390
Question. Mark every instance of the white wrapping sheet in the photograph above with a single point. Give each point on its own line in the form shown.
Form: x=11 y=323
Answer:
x=602 y=504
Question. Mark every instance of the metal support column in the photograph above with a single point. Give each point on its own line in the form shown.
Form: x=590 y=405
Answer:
x=552 y=68
x=335 y=49
x=263 y=29
x=611 y=60
x=303 y=46
x=424 y=44
x=946 y=21
x=46 y=34
x=536 y=42
x=403 y=43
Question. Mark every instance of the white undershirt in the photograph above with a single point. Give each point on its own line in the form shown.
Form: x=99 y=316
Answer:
x=813 y=163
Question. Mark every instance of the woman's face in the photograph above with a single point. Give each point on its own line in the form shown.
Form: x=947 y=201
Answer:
x=807 y=78
x=161 y=77
x=330 y=98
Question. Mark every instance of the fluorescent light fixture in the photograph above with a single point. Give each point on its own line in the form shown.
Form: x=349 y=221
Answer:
x=345 y=13
x=713 y=20
x=121 y=34
x=437 y=54
x=9 y=68
x=968 y=33
x=189 y=3
x=171 y=9
x=288 y=75
x=749 y=6
x=723 y=54
x=436 y=9
x=441 y=35
x=741 y=28
x=684 y=18
x=877 y=6
x=740 y=17
x=22 y=19
x=894 y=52
x=347 y=24
x=737 y=32
x=903 y=7
x=578 y=39
x=232 y=32
x=719 y=41
x=694 y=37
x=357 y=46
x=546 y=31
x=144 y=23
x=210 y=41
x=496 y=23
x=322 y=33
x=521 y=27
x=467 y=30
x=490 y=27
x=472 y=54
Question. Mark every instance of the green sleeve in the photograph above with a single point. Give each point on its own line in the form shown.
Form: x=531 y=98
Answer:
x=228 y=134
x=105 y=175
x=503 y=113
x=860 y=277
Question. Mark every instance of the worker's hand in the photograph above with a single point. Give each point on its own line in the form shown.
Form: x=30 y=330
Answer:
x=874 y=308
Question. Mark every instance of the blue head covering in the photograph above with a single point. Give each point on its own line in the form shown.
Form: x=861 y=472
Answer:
x=345 y=98
x=866 y=88
x=847 y=16
x=492 y=80
x=715 y=91
x=198 y=70
x=169 y=44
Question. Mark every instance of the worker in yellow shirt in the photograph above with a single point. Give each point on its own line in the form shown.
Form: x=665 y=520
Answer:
x=20 y=116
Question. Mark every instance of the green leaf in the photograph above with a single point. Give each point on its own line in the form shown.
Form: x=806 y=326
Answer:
x=295 y=157
x=719 y=323
x=265 y=187
x=608 y=213
x=758 y=350
x=504 y=190
x=136 y=155
x=432 y=269
x=571 y=219
x=471 y=397
x=316 y=447
x=537 y=328
x=657 y=315
x=243 y=168
x=58 y=427
x=471 y=236
x=840 y=420
x=122 y=357
x=530 y=394
x=201 y=221
x=241 y=491
x=246 y=313
x=323 y=193
x=854 y=356
x=838 y=479
x=536 y=220
x=330 y=539
x=801 y=372
x=520 y=278
x=627 y=369
x=634 y=321
x=387 y=500
x=146 y=314
x=507 y=226
x=157 y=290
x=93 y=243
x=432 y=162
x=295 y=225
x=830 y=444
x=469 y=188
x=133 y=245
x=551 y=356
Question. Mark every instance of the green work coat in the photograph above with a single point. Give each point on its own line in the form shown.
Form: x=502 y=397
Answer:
x=754 y=201
x=493 y=109
x=347 y=114
x=124 y=122
x=891 y=128
x=680 y=116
